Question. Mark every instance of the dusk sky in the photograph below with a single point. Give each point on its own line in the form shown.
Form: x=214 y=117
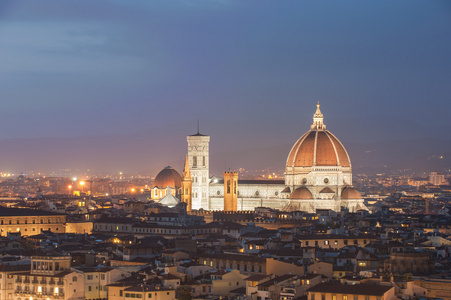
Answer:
x=251 y=71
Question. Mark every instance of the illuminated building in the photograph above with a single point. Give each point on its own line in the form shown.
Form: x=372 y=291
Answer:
x=30 y=221
x=168 y=181
x=436 y=178
x=187 y=186
x=230 y=191
x=199 y=164
x=123 y=291
x=50 y=278
x=329 y=291
x=318 y=175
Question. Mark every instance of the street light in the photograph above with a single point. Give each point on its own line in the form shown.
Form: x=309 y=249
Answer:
x=70 y=190
x=82 y=183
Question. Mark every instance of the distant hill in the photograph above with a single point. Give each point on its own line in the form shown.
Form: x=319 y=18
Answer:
x=149 y=152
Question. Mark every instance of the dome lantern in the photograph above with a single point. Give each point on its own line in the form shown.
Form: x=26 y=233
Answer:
x=318 y=119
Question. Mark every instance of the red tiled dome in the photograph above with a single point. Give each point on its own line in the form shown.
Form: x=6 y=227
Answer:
x=350 y=193
x=167 y=177
x=302 y=193
x=320 y=148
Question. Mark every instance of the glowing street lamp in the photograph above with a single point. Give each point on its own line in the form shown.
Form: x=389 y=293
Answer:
x=82 y=183
x=70 y=190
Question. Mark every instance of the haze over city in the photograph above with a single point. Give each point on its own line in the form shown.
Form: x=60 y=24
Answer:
x=225 y=150
x=118 y=85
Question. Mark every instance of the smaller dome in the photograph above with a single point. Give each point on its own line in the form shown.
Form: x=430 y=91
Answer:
x=167 y=177
x=350 y=193
x=286 y=190
x=169 y=201
x=302 y=193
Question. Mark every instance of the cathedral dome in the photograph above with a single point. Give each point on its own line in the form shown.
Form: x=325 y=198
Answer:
x=302 y=193
x=350 y=193
x=167 y=177
x=318 y=147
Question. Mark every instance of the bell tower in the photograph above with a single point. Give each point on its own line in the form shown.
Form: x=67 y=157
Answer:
x=187 y=186
x=230 y=191
x=199 y=165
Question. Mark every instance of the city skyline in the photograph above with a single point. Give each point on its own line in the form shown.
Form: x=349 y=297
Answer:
x=84 y=83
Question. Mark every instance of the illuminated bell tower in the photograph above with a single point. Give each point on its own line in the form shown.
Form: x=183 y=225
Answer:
x=187 y=186
x=199 y=164
x=230 y=191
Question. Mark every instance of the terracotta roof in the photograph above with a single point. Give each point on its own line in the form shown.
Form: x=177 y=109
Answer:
x=115 y=220
x=238 y=257
x=350 y=193
x=318 y=147
x=357 y=289
x=257 y=277
x=277 y=279
x=286 y=190
x=327 y=190
x=301 y=193
x=13 y=212
x=146 y=288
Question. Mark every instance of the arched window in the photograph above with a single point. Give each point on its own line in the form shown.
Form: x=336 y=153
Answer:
x=194 y=161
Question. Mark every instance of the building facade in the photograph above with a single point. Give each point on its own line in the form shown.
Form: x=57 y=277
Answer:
x=30 y=221
x=318 y=175
x=199 y=164
x=50 y=278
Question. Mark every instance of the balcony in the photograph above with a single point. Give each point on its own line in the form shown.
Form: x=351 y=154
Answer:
x=59 y=295
x=26 y=280
x=52 y=282
x=19 y=280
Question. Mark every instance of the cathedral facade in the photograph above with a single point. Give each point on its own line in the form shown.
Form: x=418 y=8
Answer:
x=318 y=175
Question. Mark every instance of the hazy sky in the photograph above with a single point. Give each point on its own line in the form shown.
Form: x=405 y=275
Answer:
x=252 y=70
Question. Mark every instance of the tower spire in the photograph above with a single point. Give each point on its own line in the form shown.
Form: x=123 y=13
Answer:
x=187 y=186
x=198 y=126
x=186 y=171
x=318 y=119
